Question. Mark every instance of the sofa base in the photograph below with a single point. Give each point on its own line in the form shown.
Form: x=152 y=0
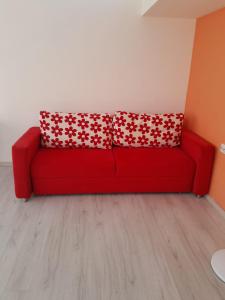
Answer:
x=111 y=185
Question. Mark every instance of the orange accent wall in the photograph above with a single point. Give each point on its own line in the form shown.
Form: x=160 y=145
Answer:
x=205 y=106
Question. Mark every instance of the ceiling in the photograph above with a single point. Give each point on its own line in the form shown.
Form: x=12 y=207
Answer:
x=180 y=8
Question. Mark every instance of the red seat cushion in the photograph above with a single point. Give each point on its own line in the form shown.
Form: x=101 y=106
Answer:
x=153 y=162
x=64 y=163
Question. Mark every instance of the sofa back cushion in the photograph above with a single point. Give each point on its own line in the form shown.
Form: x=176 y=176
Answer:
x=147 y=130
x=76 y=130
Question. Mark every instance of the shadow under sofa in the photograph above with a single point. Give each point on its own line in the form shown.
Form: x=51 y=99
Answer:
x=44 y=171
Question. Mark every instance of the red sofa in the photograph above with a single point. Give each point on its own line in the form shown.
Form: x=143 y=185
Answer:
x=45 y=171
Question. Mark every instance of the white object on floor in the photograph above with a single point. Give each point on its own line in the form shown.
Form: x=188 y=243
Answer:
x=218 y=264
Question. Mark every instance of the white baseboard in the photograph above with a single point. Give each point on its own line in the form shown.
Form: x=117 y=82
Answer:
x=5 y=164
x=215 y=205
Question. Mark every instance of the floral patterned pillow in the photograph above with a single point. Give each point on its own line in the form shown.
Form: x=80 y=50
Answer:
x=147 y=130
x=75 y=130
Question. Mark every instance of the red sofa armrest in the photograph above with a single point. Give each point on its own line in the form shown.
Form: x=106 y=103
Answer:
x=203 y=154
x=23 y=152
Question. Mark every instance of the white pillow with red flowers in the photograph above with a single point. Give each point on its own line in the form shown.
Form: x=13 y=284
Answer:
x=76 y=130
x=147 y=130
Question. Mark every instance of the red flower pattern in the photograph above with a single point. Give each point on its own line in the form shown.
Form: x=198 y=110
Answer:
x=123 y=113
x=143 y=140
x=168 y=124
x=133 y=116
x=120 y=121
x=155 y=130
x=167 y=136
x=107 y=143
x=144 y=128
x=83 y=123
x=96 y=127
x=44 y=125
x=180 y=117
x=131 y=127
x=157 y=120
x=107 y=119
x=70 y=143
x=118 y=133
x=96 y=139
x=145 y=117
x=70 y=119
x=70 y=131
x=45 y=138
x=107 y=130
x=154 y=143
x=82 y=115
x=177 y=139
x=74 y=130
x=56 y=130
x=178 y=127
x=169 y=115
x=130 y=139
x=56 y=143
x=44 y=114
x=56 y=118
x=83 y=136
x=95 y=117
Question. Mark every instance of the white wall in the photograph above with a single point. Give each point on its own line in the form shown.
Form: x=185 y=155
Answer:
x=76 y=55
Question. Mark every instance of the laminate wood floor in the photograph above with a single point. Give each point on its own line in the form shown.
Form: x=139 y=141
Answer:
x=108 y=247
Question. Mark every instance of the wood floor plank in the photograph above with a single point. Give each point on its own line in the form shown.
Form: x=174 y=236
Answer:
x=108 y=247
